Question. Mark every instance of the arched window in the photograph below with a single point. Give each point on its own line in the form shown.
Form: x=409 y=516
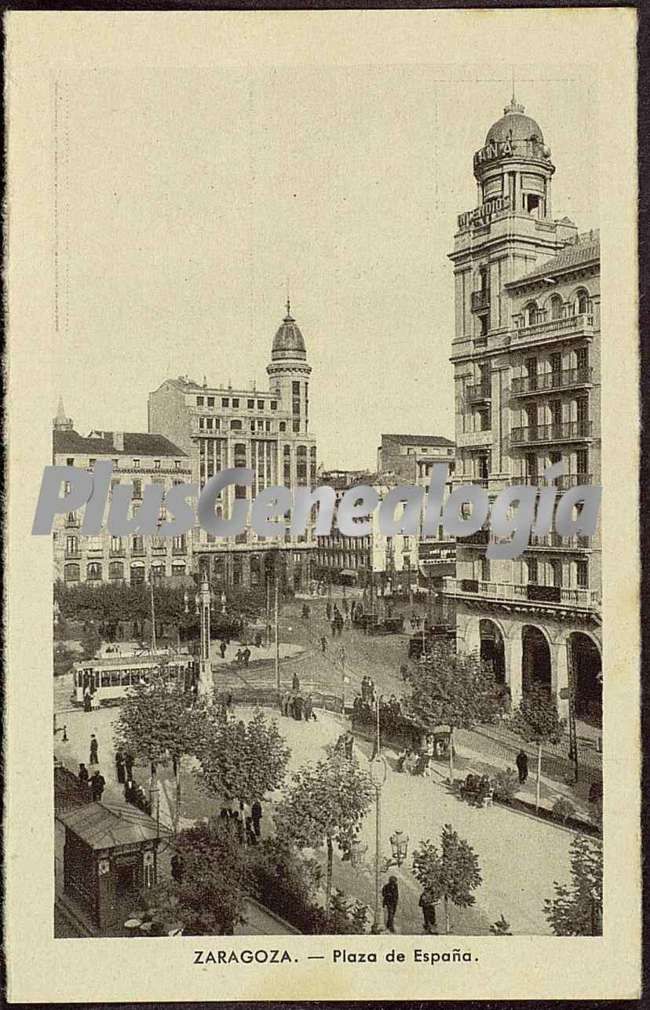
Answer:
x=71 y=573
x=93 y=571
x=116 y=571
x=556 y=307
x=530 y=314
x=137 y=574
x=581 y=302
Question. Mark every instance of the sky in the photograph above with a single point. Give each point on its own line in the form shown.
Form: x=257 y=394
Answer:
x=188 y=199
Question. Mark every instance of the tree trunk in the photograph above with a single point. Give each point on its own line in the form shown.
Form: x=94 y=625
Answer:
x=451 y=755
x=328 y=888
x=539 y=774
x=447 y=923
x=177 y=811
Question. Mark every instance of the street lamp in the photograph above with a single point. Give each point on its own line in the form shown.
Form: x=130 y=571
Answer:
x=378 y=772
x=399 y=843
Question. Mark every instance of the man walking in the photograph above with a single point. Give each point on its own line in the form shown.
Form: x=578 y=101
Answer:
x=323 y=643
x=428 y=906
x=390 y=897
x=256 y=817
x=97 y=784
x=94 y=750
x=522 y=766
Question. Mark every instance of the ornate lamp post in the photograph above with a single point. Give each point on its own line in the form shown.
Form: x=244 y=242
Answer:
x=378 y=772
x=204 y=600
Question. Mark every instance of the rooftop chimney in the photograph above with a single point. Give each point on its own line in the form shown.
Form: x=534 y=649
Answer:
x=118 y=440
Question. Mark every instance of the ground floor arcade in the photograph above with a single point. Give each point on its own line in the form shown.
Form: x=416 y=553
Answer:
x=536 y=646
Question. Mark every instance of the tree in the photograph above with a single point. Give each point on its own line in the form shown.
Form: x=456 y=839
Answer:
x=159 y=723
x=577 y=908
x=241 y=760
x=208 y=896
x=450 y=874
x=325 y=803
x=537 y=721
x=454 y=690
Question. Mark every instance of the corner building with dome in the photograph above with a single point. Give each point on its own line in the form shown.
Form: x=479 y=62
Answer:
x=526 y=357
x=267 y=430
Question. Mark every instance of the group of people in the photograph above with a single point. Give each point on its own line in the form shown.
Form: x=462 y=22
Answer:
x=368 y=693
x=390 y=900
x=245 y=822
x=242 y=656
x=96 y=782
x=345 y=744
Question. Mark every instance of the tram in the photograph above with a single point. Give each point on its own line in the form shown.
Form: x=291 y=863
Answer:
x=105 y=680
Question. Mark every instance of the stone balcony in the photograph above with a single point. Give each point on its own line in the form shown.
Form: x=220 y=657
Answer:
x=528 y=595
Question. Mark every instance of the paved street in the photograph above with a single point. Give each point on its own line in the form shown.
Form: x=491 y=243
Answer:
x=520 y=857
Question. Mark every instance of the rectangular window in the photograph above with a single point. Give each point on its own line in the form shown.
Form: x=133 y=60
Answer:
x=136 y=464
x=156 y=464
x=211 y=401
x=199 y=401
x=137 y=489
x=70 y=462
x=582 y=574
x=91 y=462
x=225 y=402
x=251 y=404
x=531 y=566
x=274 y=404
x=235 y=402
x=177 y=464
x=260 y=404
x=116 y=463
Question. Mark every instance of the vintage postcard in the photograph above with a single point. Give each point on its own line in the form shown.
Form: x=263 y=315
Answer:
x=322 y=585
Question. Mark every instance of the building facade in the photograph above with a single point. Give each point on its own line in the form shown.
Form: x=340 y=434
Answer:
x=526 y=356
x=268 y=431
x=389 y=564
x=411 y=459
x=138 y=459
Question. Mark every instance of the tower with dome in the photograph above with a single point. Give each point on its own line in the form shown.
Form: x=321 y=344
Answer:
x=526 y=358
x=222 y=426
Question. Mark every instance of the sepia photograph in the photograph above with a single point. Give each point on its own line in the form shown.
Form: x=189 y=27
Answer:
x=329 y=327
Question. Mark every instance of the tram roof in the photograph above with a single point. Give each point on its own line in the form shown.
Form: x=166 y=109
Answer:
x=128 y=662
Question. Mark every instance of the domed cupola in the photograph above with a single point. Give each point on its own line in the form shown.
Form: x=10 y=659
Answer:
x=513 y=169
x=288 y=342
x=515 y=127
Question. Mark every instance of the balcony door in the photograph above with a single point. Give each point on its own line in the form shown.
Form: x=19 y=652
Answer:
x=556 y=417
x=582 y=415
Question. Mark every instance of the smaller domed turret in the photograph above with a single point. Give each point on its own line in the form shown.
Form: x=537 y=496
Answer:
x=288 y=341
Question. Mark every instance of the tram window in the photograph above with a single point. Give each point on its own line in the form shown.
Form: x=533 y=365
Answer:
x=106 y=678
x=115 y=678
x=135 y=676
x=126 y=677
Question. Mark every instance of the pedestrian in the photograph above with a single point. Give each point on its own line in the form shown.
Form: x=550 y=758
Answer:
x=349 y=745
x=323 y=643
x=239 y=827
x=346 y=607
x=83 y=773
x=177 y=873
x=128 y=764
x=522 y=766
x=297 y=707
x=88 y=701
x=328 y=611
x=290 y=706
x=390 y=898
x=307 y=710
x=94 y=750
x=428 y=906
x=256 y=817
x=246 y=655
x=238 y=657
x=119 y=767
x=222 y=648
x=295 y=683
x=97 y=783
x=251 y=837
